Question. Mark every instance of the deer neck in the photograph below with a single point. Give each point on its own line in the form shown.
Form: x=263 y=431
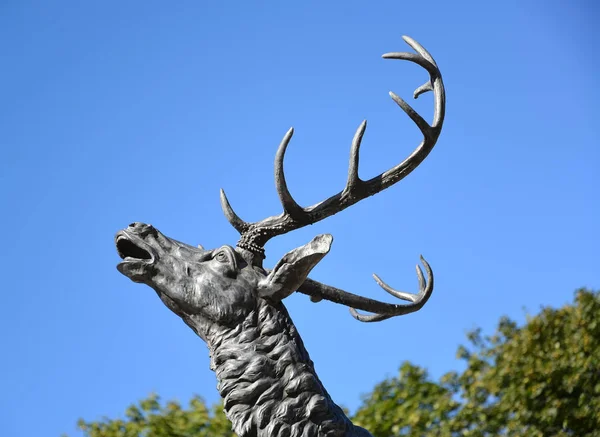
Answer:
x=268 y=382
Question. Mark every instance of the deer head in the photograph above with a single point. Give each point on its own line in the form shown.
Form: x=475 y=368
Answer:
x=221 y=286
x=216 y=287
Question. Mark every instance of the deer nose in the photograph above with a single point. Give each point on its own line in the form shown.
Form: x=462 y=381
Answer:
x=142 y=228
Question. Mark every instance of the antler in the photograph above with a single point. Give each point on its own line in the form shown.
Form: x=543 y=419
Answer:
x=255 y=235
x=318 y=291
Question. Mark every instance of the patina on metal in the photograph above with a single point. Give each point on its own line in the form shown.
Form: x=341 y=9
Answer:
x=265 y=375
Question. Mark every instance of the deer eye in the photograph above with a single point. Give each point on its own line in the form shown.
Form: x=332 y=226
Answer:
x=221 y=257
x=226 y=259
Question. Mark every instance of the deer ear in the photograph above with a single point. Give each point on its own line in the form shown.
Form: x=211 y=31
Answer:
x=292 y=270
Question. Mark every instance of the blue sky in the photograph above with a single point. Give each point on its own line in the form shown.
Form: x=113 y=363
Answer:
x=114 y=112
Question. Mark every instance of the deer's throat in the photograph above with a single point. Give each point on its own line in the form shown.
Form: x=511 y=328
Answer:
x=268 y=382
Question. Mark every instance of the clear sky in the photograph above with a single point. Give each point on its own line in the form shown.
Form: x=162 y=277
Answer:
x=121 y=111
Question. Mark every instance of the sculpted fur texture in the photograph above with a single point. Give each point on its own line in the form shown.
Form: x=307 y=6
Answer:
x=268 y=381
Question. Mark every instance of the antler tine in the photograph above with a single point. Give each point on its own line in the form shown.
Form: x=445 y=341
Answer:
x=419 y=49
x=414 y=116
x=399 y=294
x=239 y=224
x=353 y=179
x=287 y=201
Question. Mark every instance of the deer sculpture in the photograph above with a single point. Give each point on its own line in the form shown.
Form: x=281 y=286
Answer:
x=265 y=375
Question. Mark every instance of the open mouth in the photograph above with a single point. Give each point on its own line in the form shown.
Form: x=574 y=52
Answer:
x=130 y=250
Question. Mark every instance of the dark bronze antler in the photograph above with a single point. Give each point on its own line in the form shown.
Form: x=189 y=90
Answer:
x=255 y=235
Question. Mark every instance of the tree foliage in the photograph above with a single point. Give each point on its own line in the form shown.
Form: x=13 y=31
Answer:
x=539 y=379
x=149 y=418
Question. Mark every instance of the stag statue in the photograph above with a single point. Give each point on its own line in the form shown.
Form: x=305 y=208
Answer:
x=265 y=375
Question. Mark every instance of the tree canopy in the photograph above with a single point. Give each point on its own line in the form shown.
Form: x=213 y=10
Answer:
x=538 y=379
x=541 y=379
x=151 y=418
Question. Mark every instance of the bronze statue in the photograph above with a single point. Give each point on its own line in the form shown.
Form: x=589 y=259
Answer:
x=265 y=375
